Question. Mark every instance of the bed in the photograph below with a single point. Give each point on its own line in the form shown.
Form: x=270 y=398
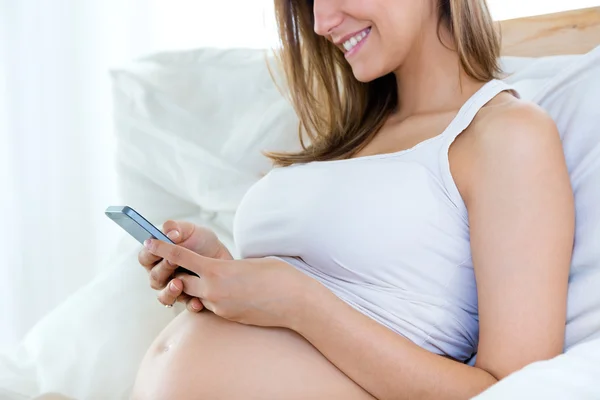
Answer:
x=90 y=346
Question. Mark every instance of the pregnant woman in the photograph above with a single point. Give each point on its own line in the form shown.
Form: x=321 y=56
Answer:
x=429 y=218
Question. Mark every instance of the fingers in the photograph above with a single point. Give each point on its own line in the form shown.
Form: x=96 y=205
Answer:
x=179 y=255
x=147 y=259
x=173 y=230
x=178 y=231
x=194 y=305
x=199 y=239
x=183 y=298
x=168 y=296
x=173 y=293
x=192 y=285
x=160 y=274
x=196 y=288
x=150 y=261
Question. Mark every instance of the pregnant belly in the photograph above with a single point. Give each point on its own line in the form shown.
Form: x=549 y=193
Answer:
x=202 y=356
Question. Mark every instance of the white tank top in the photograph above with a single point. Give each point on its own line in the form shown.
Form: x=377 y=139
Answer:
x=388 y=234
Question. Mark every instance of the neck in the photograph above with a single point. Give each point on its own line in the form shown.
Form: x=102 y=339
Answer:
x=431 y=78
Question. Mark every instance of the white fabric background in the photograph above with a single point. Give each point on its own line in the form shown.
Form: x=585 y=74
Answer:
x=56 y=144
x=56 y=141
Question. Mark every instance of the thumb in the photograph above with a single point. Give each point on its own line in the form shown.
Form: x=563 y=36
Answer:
x=178 y=231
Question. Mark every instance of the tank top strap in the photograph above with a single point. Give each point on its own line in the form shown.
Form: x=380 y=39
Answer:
x=463 y=119
x=469 y=110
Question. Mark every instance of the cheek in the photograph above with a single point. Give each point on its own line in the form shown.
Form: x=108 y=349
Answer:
x=397 y=26
x=396 y=43
x=384 y=52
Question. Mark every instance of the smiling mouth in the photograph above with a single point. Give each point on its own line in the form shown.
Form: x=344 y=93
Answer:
x=355 y=40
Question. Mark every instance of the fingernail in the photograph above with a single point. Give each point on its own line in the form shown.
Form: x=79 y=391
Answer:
x=174 y=288
x=173 y=235
x=147 y=243
x=195 y=305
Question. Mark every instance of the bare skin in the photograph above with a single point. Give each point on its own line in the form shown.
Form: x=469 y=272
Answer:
x=203 y=356
x=291 y=339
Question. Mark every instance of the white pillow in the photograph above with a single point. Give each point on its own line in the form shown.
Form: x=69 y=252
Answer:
x=572 y=98
x=194 y=123
x=529 y=75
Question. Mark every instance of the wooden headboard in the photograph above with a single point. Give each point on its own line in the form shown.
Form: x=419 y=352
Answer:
x=570 y=32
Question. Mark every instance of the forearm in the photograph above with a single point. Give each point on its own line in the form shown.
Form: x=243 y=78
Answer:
x=384 y=363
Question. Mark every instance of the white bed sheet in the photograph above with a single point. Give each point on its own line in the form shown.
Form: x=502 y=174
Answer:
x=573 y=375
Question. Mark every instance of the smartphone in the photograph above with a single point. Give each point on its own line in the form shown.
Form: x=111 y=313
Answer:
x=138 y=227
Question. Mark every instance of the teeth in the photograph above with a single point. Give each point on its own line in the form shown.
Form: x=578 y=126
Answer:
x=353 y=41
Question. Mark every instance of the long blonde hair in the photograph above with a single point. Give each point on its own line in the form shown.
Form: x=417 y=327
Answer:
x=340 y=115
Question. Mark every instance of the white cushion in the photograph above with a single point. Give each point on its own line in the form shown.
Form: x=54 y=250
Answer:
x=530 y=75
x=194 y=123
x=572 y=98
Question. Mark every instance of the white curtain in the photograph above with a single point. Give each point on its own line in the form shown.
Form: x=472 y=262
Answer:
x=56 y=146
x=56 y=143
x=56 y=139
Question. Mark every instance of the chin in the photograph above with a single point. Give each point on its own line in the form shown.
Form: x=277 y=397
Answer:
x=366 y=74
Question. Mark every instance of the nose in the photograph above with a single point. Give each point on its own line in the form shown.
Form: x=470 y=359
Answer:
x=328 y=16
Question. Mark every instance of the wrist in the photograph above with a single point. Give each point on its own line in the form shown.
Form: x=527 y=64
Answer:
x=308 y=299
x=223 y=253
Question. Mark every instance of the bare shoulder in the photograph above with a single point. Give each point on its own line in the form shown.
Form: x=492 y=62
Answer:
x=509 y=123
x=508 y=136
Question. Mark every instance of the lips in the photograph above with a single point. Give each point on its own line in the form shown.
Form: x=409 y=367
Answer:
x=341 y=40
x=353 y=41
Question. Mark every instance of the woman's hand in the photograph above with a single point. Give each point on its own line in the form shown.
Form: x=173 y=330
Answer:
x=198 y=239
x=261 y=291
